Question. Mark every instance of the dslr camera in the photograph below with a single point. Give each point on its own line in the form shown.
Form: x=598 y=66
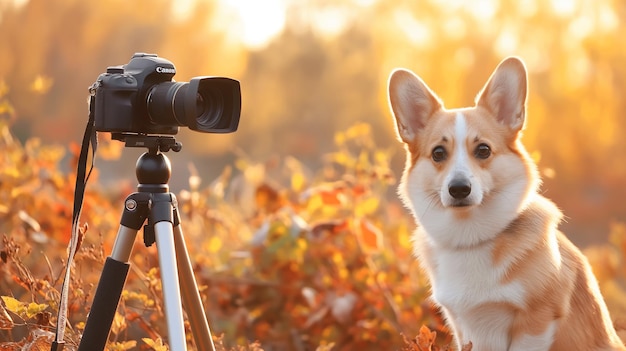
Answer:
x=141 y=98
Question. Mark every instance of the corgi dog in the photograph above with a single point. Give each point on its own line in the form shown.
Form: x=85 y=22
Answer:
x=503 y=275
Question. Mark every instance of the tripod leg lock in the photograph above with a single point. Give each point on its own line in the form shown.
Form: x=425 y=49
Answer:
x=162 y=208
x=136 y=210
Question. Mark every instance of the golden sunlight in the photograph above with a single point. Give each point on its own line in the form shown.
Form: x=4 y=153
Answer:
x=256 y=22
x=249 y=22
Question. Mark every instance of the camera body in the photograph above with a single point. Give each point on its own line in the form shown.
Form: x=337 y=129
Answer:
x=140 y=97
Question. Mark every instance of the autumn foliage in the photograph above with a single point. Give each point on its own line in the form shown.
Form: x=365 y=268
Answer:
x=291 y=260
x=311 y=265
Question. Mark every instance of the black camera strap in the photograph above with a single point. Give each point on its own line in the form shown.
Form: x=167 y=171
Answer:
x=82 y=176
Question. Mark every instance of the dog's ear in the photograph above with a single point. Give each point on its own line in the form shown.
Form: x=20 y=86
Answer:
x=505 y=93
x=412 y=103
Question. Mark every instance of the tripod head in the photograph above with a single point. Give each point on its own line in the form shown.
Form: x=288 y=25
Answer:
x=154 y=143
x=153 y=168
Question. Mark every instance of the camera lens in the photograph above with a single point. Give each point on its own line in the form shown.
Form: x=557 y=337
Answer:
x=209 y=108
x=199 y=105
x=166 y=105
x=206 y=104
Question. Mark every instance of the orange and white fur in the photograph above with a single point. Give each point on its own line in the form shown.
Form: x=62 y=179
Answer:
x=502 y=273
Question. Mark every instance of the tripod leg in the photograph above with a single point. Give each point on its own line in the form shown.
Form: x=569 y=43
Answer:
x=108 y=293
x=191 y=296
x=164 y=236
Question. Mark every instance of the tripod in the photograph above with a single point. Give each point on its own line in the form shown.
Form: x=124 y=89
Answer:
x=152 y=202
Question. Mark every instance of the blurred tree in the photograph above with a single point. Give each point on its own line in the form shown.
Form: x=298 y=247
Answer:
x=302 y=88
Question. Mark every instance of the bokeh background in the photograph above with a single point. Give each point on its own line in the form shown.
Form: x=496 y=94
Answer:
x=309 y=68
x=313 y=75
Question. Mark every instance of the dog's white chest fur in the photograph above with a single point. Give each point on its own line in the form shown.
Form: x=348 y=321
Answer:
x=465 y=279
x=471 y=289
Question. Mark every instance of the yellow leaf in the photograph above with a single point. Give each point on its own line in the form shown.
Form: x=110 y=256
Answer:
x=119 y=323
x=343 y=273
x=367 y=207
x=34 y=308
x=156 y=345
x=214 y=244
x=6 y=108
x=41 y=84
x=381 y=157
x=337 y=258
x=405 y=237
x=358 y=129
x=314 y=204
x=297 y=181
x=121 y=346
x=13 y=305
x=341 y=158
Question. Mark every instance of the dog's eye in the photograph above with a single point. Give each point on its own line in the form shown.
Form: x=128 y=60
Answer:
x=439 y=154
x=482 y=151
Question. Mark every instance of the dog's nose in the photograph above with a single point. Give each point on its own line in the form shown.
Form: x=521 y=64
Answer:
x=459 y=189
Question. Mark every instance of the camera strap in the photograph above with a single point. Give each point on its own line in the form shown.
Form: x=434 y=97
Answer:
x=82 y=176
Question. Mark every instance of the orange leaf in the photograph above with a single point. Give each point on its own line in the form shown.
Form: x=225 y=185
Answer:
x=426 y=338
x=268 y=199
x=11 y=346
x=331 y=197
x=262 y=329
x=371 y=237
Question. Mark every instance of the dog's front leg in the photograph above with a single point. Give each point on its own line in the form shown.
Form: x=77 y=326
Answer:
x=539 y=342
x=486 y=331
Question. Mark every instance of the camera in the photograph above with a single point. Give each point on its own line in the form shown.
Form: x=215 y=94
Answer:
x=140 y=97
